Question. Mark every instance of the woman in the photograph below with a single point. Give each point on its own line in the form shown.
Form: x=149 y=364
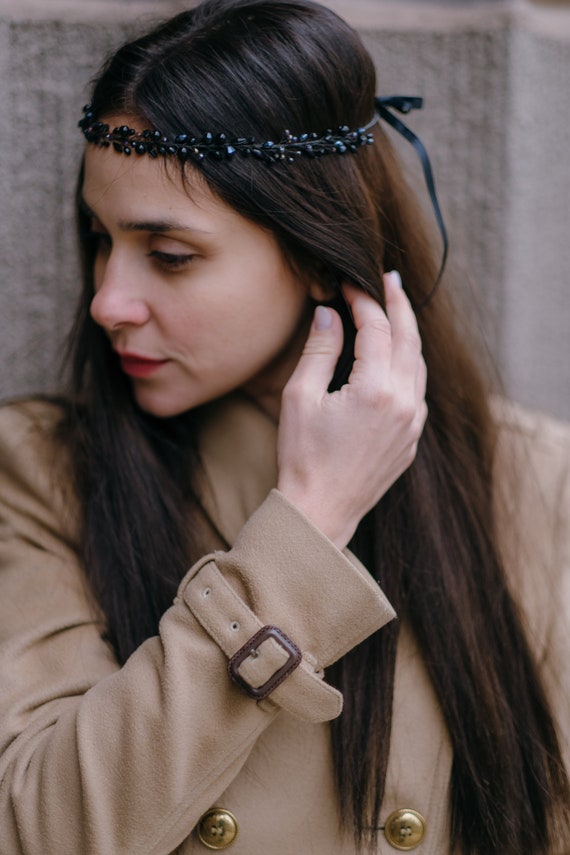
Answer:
x=237 y=332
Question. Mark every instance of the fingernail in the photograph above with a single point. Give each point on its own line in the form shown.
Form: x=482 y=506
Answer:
x=323 y=318
x=395 y=278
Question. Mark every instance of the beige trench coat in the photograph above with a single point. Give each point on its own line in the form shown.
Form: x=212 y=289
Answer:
x=97 y=760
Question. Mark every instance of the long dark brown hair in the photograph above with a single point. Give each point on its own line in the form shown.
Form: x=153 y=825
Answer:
x=255 y=68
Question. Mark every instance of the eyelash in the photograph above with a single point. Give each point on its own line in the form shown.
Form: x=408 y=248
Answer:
x=171 y=262
x=167 y=260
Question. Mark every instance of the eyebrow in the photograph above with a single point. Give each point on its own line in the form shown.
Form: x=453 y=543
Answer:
x=158 y=226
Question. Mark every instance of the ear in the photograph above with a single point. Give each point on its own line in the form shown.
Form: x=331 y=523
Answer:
x=321 y=291
x=322 y=284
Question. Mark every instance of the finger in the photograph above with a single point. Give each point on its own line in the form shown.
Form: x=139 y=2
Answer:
x=373 y=343
x=406 y=341
x=421 y=381
x=315 y=368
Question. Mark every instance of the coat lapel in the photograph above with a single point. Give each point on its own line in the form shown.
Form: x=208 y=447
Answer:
x=238 y=449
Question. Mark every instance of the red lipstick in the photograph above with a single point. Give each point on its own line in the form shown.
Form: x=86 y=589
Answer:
x=140 y=366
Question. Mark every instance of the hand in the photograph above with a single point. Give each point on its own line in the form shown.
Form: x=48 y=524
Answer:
x=339 y=452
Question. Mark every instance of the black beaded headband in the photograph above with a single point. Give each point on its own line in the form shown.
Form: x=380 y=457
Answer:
x=221 y=147
x=288 y=149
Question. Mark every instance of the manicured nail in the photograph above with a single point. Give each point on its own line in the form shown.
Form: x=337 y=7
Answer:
x=395 y=278
x=323 y=318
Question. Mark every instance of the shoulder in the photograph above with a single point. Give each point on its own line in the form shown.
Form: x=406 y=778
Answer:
x=532 y=462
x=35 y=467
x=532 y=509
x=542 y=436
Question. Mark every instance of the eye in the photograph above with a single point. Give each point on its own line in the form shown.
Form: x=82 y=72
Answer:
x=94 y=234
x=171 y=261
x=98 y=241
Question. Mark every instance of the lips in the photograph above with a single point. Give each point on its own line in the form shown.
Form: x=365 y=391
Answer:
x=140 y=366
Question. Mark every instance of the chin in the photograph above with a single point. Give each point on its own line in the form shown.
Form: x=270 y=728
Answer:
x=162 y=408
x=166 y=404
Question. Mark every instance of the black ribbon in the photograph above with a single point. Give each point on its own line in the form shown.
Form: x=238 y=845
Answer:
x=404 y=104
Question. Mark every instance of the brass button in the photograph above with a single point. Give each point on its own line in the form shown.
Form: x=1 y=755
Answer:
x=405 y=829
x=217 y=828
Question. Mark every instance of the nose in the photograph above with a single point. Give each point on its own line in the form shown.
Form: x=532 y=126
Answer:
x=119 y=301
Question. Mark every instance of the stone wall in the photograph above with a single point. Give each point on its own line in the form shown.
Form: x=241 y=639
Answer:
x=495 y=78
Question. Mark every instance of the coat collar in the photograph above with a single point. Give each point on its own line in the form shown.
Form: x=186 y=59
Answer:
x=238 y=448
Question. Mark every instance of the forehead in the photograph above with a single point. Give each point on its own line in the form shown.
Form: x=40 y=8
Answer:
x=120 y=186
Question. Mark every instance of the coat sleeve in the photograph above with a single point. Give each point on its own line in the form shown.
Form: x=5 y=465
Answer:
x=97 y=759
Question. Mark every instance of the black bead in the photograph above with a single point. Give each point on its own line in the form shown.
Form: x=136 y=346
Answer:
x=140 y=148
x=181 y=138
x=118 y=147
x=208 y=138
x=126 y=150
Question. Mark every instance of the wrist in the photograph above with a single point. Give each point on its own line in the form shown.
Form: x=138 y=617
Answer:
x=339 y=532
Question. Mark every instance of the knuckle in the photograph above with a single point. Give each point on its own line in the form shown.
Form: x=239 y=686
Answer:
x=319 y=347
x=411 y=338
x=380 y=325
x=376 y=395
x=412 y=452
x=407 y=411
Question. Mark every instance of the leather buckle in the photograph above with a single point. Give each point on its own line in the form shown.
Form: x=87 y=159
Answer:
x=281 y=674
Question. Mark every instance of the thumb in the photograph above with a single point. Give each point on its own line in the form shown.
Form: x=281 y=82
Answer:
x=321 y=352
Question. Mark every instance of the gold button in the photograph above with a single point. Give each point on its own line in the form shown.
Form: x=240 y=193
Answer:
x=217 y=828
x=405 y=829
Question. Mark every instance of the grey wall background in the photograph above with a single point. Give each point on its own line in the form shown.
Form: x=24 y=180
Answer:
x=496 y=81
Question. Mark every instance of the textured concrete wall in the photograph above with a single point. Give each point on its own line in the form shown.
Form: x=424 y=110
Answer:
x=495 y=79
